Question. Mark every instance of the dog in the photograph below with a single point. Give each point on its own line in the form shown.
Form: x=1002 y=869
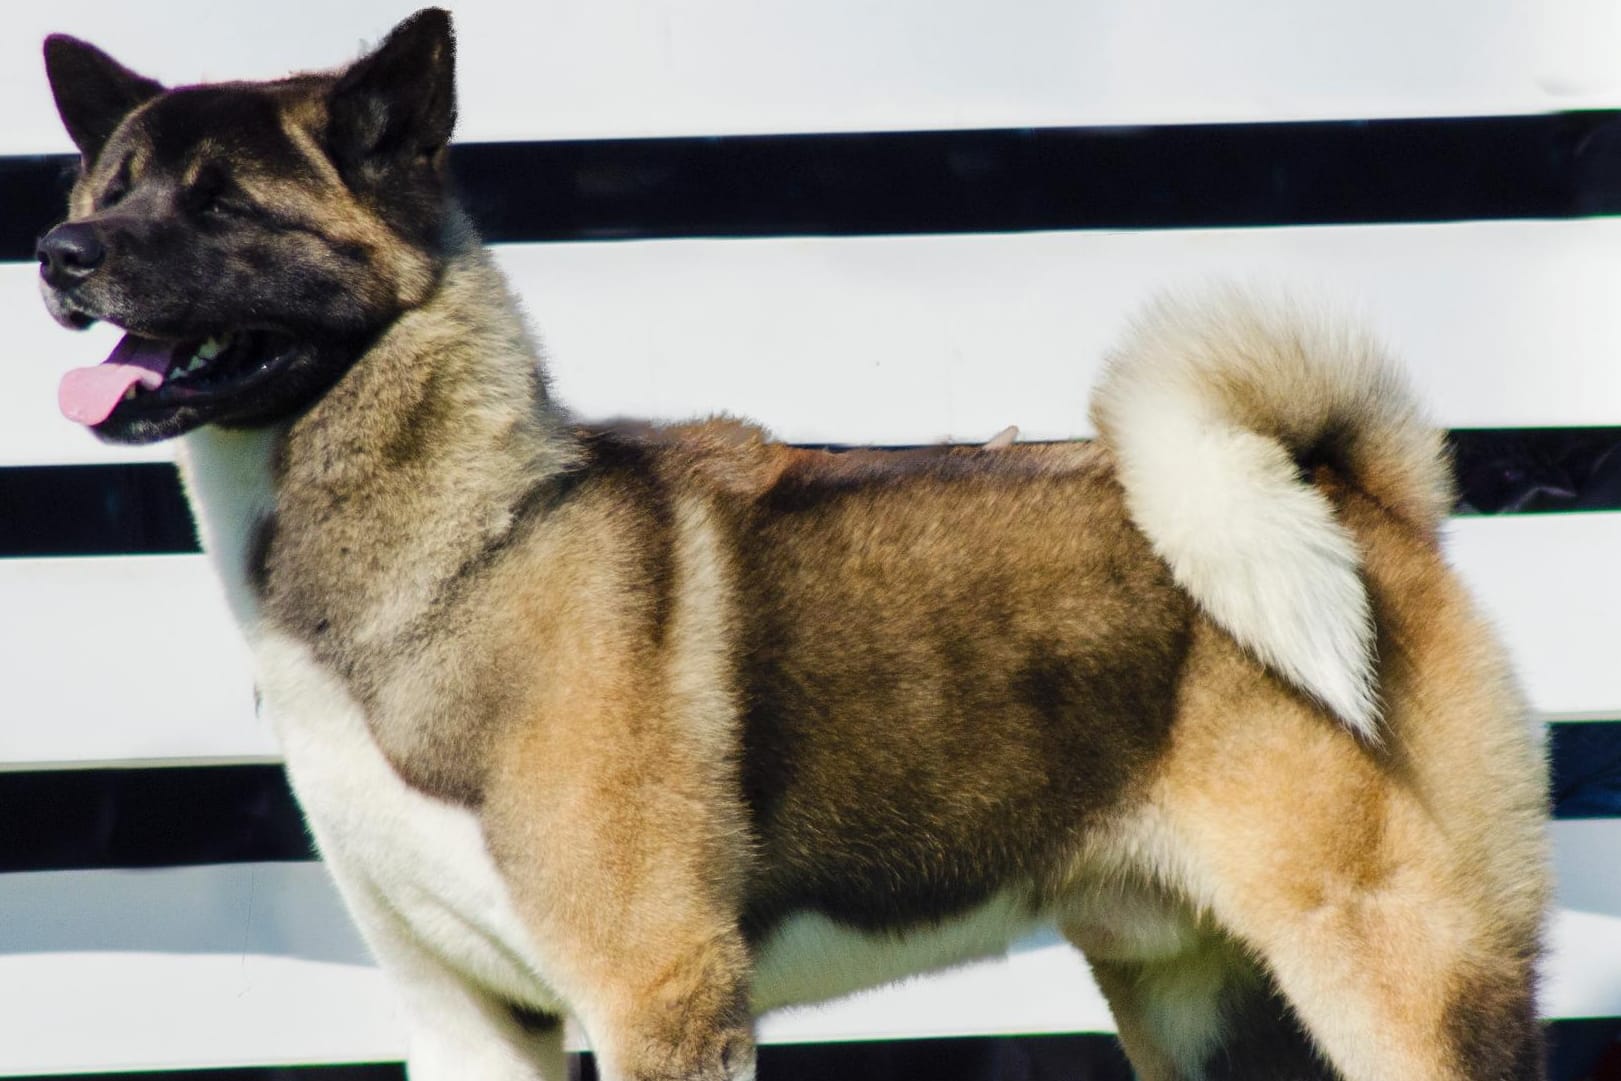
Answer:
x=661 y=728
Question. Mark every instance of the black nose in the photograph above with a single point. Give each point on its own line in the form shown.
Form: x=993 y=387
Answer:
x=69 y=254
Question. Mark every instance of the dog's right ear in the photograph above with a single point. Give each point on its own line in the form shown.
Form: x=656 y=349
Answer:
x=93 y=91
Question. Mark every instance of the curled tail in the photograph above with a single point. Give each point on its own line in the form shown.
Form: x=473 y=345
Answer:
x=1208 y=408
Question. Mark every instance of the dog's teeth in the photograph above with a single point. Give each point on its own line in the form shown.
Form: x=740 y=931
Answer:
x=210 y=349
x=199 y=360
x=130 y=393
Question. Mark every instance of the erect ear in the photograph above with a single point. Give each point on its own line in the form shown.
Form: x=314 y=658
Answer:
x=399 y=102
x=93 y=91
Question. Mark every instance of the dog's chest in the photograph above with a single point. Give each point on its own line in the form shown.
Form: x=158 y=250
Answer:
x=420 y=862
x=414 y=870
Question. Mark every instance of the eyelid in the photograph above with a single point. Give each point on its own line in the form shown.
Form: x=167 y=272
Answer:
x=212 y=189
x=209 y=179
x=118 y=186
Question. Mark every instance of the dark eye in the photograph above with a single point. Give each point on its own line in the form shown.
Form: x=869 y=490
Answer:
x=117 y=188
x=212 y=194
x=214 y=205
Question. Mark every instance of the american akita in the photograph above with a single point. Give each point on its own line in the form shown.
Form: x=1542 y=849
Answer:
x=661 y=729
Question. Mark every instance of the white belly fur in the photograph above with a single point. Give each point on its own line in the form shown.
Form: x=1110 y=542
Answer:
x=809 y=958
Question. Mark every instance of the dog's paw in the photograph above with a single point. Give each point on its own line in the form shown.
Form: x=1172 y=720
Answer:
x=708 y=1055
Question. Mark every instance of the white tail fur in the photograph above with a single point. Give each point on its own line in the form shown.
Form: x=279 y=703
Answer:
x=1206 y=407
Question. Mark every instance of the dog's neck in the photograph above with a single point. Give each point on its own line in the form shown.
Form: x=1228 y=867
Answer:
x=350 y=521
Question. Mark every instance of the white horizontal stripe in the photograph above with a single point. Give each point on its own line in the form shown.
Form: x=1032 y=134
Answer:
x=1549 y=585
x=1584 y=941
x=115 y=659
x=578 y=68
x=209 y=966
x=257 y=964
x=133 y=659
x=917 y=339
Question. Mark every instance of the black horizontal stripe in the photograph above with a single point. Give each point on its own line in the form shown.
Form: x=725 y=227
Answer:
x=1583 y=1050
x=1509 y=471
x=34 y=194
x=139 y=509
x=1000 y=1058
x=1584 y=761
x=74 y=510
x=176 y=816
x=1555 y=165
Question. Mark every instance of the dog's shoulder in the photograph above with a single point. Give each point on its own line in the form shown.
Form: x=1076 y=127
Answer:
x=718 y=456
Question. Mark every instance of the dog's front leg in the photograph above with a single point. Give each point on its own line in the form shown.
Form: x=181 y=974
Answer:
x=641 y=939
x=458 y=1031
x=683 y=1019
x=615 y=816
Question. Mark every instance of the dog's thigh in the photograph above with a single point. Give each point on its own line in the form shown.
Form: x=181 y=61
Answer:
x=1395 y=963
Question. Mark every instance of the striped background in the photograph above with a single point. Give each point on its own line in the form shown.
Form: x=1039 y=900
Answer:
x=891 y=223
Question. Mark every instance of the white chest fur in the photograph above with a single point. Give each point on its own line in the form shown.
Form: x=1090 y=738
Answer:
x=423 y=859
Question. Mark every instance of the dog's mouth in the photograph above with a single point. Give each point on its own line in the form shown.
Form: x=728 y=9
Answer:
x=147 y=377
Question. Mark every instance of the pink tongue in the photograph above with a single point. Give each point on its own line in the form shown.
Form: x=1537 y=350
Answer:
x=89 y=395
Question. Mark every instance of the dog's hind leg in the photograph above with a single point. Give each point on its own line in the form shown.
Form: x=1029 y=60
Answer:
x=1168 y=1012
x=1189 y=1003
x=1265 y=1041
x=1206 y=1015
x=1370 y=884
x=1307 y=965
x=1393 y=982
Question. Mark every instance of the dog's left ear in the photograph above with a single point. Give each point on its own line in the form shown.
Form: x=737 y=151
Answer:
x=93 y=91
x=399 y=102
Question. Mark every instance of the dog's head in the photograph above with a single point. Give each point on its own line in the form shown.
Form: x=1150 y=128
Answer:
x=250 y=238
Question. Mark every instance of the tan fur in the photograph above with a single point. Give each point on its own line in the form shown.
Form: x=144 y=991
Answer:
x=644 y=824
